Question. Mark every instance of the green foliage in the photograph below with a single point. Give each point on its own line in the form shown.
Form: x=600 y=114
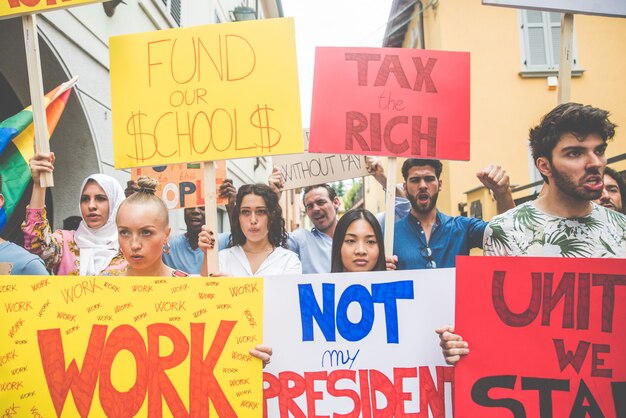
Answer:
x=348 y=200
x=340 y=187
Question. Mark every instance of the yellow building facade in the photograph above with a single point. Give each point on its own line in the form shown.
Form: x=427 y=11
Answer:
x=508 y=94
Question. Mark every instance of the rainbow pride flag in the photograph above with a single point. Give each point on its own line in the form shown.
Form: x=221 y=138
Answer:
x=17 y=146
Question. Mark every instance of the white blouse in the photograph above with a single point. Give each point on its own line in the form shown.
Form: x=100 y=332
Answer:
x=233 y=261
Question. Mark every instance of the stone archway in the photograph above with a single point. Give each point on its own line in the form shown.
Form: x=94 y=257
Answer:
x=72 y=141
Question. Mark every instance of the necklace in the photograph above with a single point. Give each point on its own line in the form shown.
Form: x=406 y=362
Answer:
x=267 y=250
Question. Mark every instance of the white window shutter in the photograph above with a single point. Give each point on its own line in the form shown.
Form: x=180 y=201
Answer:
x=541 y=37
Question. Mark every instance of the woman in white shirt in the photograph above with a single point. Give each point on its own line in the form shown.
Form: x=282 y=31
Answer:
x=258 y=244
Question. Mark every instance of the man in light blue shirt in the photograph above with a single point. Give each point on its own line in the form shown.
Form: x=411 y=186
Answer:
x=16 y=260
x=314 y=247
x=184 y=253
x=321 y=204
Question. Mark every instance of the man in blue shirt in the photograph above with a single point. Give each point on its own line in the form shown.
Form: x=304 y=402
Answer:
x=428 y=238
x=312 y=247
x=183 y=252
x=16 y=259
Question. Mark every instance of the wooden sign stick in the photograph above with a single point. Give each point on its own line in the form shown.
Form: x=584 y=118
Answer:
x=565 y=62
x=390 y=205
x=210 y=210
x=31 y=41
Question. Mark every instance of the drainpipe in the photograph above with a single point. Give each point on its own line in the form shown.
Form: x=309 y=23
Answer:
x=420 y=7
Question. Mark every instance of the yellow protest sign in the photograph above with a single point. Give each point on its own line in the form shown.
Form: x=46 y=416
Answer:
x=121 y=346
x=12 y=8
x=205 y=93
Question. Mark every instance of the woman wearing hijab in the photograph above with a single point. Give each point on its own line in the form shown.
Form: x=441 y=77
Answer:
x=93 y=247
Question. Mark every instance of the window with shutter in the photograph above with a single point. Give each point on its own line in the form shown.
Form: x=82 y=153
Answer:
x=541 y=40
x=173 y=8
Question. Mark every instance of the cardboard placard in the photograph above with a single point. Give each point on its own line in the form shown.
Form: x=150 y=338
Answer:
x=182 y=185
x=307 y=169
x=391 y=101
x=13 y=8
x=592 y=7
x=205 y=93
x=546 y=337
x=358 y=344
x=148 y=345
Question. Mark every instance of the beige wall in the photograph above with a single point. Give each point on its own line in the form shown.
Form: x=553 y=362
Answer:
x=503 y=104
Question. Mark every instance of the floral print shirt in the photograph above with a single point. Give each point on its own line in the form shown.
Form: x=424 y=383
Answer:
x=525 y=230
x=58 y=249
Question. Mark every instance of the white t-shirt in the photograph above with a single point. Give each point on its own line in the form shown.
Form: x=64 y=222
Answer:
x=233 y=261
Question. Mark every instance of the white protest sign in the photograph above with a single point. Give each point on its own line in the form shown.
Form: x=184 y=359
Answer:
x=614 y=8
x=358 y=344
x=307 y=169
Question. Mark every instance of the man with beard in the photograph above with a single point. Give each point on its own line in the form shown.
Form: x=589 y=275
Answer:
x=428 y=238
x=614 y=189
x=568 y=147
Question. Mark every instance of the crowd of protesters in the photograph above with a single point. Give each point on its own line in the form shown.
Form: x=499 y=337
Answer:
x=578 y=213
x=568 y=148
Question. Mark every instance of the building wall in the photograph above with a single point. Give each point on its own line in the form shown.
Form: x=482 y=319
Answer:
x=503 y=104
x=74 y=41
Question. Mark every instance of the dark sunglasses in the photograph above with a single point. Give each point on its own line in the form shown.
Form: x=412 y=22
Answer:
x=427 y=253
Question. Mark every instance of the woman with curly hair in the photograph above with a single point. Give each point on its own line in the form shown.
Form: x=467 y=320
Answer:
x=258 y=244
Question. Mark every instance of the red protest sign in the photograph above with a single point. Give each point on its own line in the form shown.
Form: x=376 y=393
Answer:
x=546 y=337
x=393 y=102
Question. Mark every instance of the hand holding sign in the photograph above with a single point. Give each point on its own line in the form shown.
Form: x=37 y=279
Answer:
x=42 y=162
x=228 y=191
x=206 y=242
x=376 y=170
x=276 y=181
x=452 y=345
x=263 y=353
